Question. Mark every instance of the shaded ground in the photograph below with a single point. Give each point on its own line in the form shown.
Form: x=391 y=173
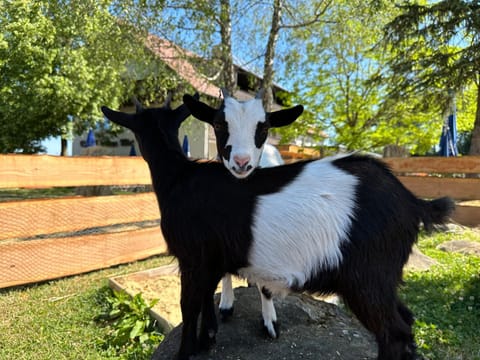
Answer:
x=309 y=329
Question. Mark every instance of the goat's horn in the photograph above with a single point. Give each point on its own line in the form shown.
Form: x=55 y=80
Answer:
x=138 y=105
x=260 y=94
x=168 y=100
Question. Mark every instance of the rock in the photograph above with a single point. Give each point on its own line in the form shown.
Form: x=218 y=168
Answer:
x=309 y=329
x=419 y=261
x=461 y=246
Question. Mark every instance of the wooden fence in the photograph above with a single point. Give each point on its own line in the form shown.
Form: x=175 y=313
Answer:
x=64 y=247
x=42 y=239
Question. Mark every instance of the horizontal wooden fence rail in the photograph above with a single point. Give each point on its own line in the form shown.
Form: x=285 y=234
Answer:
x=46 y=216
x=39 y=260
x=436 y=164
x=38 y=171
x=42 y=239
x=433 y=187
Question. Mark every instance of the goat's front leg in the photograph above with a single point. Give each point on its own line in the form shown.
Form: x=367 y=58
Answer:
x=208 y=324
x=268 y=312
x=226 y=298
x=190 y=302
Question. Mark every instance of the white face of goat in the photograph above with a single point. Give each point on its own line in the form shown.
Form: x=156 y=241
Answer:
x=241 y=129
x=241 y=135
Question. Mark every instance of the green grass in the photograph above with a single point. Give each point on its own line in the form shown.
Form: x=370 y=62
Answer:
x=22 y=194
x=446 y=300
x=54 y=320
x=16 y=194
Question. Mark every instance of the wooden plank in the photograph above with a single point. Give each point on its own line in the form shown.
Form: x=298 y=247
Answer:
x=293 y=155
x=311 y=152
x=435 y=164
x=39 y=260
x=467 y=215
x=35 y=171
x=433 y=187
x=34 y=217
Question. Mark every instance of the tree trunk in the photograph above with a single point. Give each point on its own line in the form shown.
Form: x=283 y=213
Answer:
x=475 y=145
x=64 y=147
x=226 y=34
x=270 y=55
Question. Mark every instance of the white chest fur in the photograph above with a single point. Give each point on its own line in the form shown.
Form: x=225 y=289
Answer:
x=300 y=229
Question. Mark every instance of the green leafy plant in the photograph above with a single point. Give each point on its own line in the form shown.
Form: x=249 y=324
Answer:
x=133 y=333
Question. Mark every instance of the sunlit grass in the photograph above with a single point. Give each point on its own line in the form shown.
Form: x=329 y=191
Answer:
x=54 y=320
x=446 y=300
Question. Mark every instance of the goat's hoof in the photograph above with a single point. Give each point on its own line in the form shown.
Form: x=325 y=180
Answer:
x=271 y=329
x=225 y=314
x=206 y=340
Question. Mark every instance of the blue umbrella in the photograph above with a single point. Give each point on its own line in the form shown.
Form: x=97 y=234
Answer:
x=90 y=139
x=448 y=140
x=186 y=146
x=132 y=150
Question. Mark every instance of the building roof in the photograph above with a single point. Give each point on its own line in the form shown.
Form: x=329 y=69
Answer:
x=177 y=59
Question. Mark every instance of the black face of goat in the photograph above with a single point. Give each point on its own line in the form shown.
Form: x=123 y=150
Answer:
x=152 y=125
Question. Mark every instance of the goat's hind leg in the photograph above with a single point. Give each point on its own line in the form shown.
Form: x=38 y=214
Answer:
x=226 y=298
x=389 y=320
x=269 y=314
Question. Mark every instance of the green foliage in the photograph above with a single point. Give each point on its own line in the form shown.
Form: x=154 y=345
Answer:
x=335 y=68
x=60 y=61
x=342 y=74
x=133 y=333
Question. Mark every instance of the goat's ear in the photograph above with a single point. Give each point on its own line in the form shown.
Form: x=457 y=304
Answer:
x=199 y=109
x=284 y=117
x=121 y=118
x=181 y=114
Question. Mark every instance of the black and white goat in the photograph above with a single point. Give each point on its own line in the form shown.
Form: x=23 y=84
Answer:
x=343 y=225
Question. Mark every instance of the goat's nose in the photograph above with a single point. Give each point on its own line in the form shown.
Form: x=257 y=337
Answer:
x=241 y=160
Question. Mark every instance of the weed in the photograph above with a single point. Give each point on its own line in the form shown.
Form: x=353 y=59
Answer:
x=133 y=332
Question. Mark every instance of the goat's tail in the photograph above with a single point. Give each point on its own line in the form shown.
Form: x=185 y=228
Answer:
x=437 y=212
